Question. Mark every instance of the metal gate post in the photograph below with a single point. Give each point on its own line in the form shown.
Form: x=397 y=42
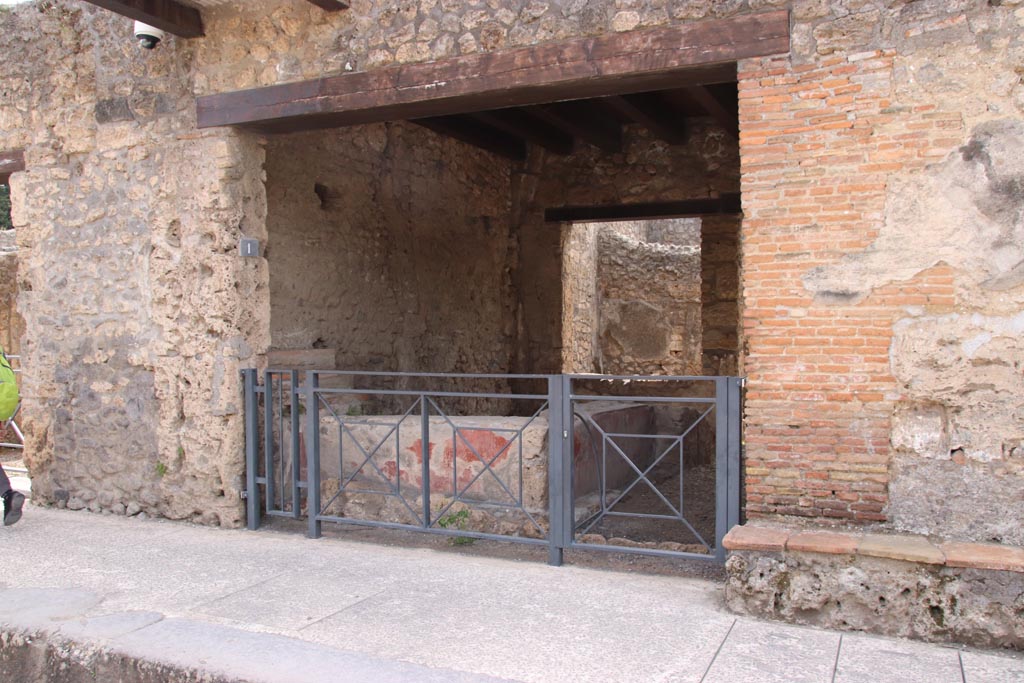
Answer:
x=735 y=428
x=560 y=518
x=721 y=464
x=555 y=471
x=252 y=492
x=313 y=453
x=425 y=453
x=293 y=401
x=268 y=439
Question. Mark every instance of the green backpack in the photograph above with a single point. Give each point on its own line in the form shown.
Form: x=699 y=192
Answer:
x=8 y=389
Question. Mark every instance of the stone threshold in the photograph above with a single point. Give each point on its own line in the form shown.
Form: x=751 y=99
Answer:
x=904 y=547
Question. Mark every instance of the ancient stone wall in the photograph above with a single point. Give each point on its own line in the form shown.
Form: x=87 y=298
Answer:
x=649 y=306
x=881 y=267
x=391 y=244
x=579 y=296
x=720 y=295
x=631 y=296
x=716 y=315
x=278 y=41
x=881 y=243
x=139 y=313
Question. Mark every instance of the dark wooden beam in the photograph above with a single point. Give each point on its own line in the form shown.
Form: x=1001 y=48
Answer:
x=652 y=112
x=584 y=120
x=727 y=204
x=473 y=132
x=11 y=161
x=521 y=124
x=330 y=5
x=726 y=116
x=166 y=15
x=629 y=62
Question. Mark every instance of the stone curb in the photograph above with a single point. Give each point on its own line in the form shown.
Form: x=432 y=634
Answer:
x=903 y=547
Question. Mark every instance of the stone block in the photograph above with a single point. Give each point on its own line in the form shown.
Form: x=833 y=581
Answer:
x=756 y=538
x=827 y=542
x=921 y=429
x=905 y=548
x=984 y=556
x=113 y=110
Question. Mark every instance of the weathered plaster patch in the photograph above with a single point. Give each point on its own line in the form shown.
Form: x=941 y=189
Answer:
x=971 y=346
x=967 y=212
x=921 y=429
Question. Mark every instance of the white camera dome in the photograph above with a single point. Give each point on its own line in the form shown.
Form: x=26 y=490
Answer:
x=148 y=36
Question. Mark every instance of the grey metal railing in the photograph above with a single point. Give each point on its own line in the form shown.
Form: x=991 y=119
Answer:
x=311 y=451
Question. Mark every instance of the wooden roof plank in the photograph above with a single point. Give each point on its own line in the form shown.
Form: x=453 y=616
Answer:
x=478 y=134
x=726 y=117
x=167 y=15
x=651 y=112
x=584 y=120
x=519 y=123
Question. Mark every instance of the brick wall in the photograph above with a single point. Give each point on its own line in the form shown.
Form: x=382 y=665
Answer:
x=819 y=143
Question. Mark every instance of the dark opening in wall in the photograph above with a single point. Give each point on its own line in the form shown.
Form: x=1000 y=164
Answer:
x=5 y=207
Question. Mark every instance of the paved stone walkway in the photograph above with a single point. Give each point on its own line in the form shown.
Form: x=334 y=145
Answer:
x=268 y=606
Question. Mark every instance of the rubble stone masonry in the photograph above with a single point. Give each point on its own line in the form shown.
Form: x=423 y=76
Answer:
x=881 y=250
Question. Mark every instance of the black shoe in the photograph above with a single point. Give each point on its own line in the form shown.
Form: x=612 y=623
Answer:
x=12 y=507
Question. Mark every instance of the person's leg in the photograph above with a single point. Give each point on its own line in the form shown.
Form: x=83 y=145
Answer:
x=13 y=501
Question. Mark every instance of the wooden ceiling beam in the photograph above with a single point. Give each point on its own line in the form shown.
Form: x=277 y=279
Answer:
x=330 y=5
x=727 y=204
x=11 y=161
x=473 y=132
x=167 y=15
x=727 y=117
x=519 y=123
x=629 y=62
x=583 y=120
x=653 y=113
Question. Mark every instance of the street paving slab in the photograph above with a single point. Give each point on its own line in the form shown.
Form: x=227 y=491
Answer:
x=277 y=607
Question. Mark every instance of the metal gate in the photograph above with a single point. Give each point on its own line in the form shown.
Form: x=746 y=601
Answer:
x=647 y=465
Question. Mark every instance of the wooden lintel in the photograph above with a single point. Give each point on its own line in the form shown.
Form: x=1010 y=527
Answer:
x=167 y=15
x=630 y=62
x=727 y=204
x=11 y=161
x=330 y=5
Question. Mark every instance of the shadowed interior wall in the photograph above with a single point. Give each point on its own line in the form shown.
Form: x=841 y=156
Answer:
x=390 y=244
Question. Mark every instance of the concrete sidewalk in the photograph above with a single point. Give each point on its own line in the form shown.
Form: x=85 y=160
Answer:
x=268 y=606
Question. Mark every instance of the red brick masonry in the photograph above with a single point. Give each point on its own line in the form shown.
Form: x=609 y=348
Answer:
x=892 y=546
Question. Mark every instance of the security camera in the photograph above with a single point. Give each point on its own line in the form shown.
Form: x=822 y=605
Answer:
x=148 y=36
